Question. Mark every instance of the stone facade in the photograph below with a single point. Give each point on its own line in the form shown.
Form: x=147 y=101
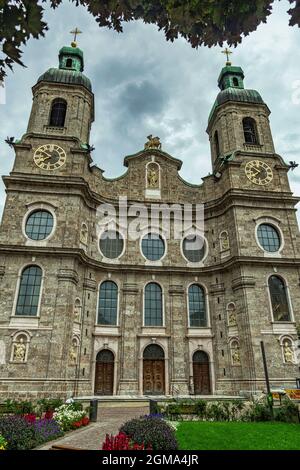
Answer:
x=62 y=341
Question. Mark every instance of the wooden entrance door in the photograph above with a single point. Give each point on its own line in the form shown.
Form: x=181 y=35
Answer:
x=104 y=375
x=154 y=371
x=201 y=373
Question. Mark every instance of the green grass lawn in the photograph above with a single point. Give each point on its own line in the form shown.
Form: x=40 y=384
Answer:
x=238 y=436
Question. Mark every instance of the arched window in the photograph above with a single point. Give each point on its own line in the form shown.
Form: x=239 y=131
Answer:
x=108 y=303
x=77 y=310
x=235 y=81
x=153 y=352
x=197 y=307
x=217 y=144
x=105 y=355
x=279 y=299
x=69 y=63
x=58 y=113
x=250 y=131
x=29 y=291
x=153 y=305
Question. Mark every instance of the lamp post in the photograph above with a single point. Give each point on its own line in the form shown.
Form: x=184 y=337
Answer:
x=269 y=397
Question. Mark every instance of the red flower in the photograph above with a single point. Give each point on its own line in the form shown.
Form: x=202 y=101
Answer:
x=30 y=418
x=49 y=414
x=77 y=424
x=122 y=442
x=85 y=421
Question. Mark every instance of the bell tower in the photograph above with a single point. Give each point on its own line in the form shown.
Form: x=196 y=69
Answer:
x=63 y=102
x=239 y=119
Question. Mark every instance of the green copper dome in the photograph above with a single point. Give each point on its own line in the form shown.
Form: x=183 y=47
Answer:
x=71 y=66
x=231 y=83
x=68 y=77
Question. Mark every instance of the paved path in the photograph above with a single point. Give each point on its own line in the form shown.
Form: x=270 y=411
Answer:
x=92 y=436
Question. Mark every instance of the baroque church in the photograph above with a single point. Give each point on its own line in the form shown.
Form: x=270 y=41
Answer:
x=85 y=312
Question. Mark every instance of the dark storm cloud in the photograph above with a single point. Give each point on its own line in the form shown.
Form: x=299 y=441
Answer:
x=140 y=99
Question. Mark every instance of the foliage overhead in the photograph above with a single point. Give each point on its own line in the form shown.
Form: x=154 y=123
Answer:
x=200 y=22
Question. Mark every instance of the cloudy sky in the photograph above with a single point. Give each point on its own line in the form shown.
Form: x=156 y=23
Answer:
x=145 y=85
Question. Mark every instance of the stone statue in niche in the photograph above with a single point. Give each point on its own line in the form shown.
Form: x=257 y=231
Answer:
x=288 y=352
x=19 y=353
x=224 y=240
x=153 y=176
x=84 y=234
x=73 y=352
x=231 y=315
x=236 y=358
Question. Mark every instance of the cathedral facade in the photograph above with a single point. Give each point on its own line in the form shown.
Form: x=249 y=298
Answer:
x=88 y=310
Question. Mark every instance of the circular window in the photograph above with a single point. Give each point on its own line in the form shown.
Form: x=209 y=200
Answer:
x=268 y=237
x=39 y=225
x=111 y=244
x=193 y=248
x=153 y=247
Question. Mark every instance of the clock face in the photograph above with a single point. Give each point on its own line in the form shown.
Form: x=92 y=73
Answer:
x=259 y=172
x=50 y=157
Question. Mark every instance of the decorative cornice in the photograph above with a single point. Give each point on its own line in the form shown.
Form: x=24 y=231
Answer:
x=176 y=290
x=89 y=284
x=87 y=261
x=243 y=282
x=68 y=275
x=217 y=289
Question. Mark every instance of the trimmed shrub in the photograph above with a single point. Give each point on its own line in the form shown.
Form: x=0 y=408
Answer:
x=200 y=408
x=287 y=412
x=151 y=431
x=49 y=404
x=258 y=412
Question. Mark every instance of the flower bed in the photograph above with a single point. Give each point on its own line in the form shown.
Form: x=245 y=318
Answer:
x=29 y=430
x=22 y=434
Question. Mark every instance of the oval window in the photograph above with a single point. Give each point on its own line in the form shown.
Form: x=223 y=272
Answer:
x=39 y=225
x=193 y=248
x=153 y=247
x=268 y=238
x=111 y=244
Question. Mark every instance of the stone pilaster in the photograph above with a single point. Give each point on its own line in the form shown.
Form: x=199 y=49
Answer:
x=128 y=383
x=179 y=354
x=60 y=341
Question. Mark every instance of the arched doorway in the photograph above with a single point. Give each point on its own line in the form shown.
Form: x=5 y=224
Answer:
x=201 y=373
x=104 y=374
x=154 y=370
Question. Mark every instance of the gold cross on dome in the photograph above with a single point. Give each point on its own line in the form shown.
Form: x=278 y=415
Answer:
x=76 y=31
x=228 y=53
